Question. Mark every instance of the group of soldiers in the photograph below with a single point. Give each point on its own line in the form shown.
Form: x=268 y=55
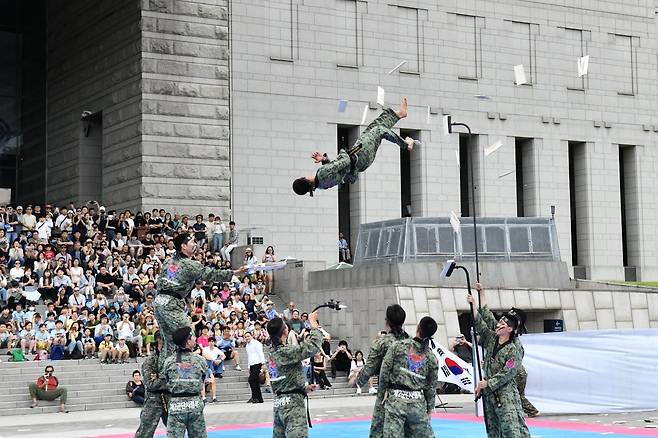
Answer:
x=407 y=370
x=174 y=375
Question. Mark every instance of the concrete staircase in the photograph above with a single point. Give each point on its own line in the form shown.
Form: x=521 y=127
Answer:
x=94 y=386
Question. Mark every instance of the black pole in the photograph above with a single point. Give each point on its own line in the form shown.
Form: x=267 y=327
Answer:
x=476 y=356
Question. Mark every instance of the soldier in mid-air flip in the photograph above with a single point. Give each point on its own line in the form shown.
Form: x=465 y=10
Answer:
x=349 y=163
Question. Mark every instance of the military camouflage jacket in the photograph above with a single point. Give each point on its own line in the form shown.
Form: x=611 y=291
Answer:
x=407 y=366
x=285 y=363
x=187 y=375
x=150 y=366
x=376 y=355
x=502 y=361
x=179 y=274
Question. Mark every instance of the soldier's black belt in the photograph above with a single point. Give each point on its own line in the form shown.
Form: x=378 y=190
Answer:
x=158 y=391
x=300 y=392
x=186 y=394
x=403 y=388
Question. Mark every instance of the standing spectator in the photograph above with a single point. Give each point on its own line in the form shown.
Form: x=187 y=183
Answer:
x=199 y=231
x=343 y=249
x=135 y=388
x=29 y=221
x=218 y=234
x=250 y=260
x=47 y=388
x=255 y=361
x=341 y=360
x=231 y=243
x=43 y=229
x=269 y=276
x=462 y=348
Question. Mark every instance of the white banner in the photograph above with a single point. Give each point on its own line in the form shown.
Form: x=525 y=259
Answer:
x=598 y=371
x=453 y=370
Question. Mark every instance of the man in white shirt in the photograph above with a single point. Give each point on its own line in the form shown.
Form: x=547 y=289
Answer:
x=238 y=305
x=198 y=292
x=215 y=306
x=29 y=220
x=215 y=358
x=77 y=299
x=125 y=329
x=129 y=276
x=17 y=272
x=255 y=361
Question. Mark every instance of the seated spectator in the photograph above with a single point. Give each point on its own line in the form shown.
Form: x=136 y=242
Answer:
x=319 y=369
x=102 y=329
x=227 y=345
x=58 y=334
x=287 y=312
x=106 y=351
x=47 y=388
x=126 y=330
x=231 y=243
x=105 y=281
x=357 y=364
x=203 y=338
x=89 y=345
x=135 y=388
x=27 y=340
x=295 y=323
x=7 y=337
x=75 y=346
x=77 y=299
x=42 y=338
x=341 y=359
x=122 y=352
x=271 y=312
x=215 y=358
x=148 y=334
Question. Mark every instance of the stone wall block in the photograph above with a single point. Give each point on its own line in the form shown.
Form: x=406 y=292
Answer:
x=605 y=319
x=638 y=300
x=507 y=299
x=603 y=300
x=151 y=127
x=537 y=300
x=420 y=299
x=209 y=193
x=566 y=300
x=584 y=305
x=552 y=298
x=640 y=319
x=622 y=305
x=570 y=320
x=186 y=130
x=209 y=131
x=187 y=171
x=448 y=299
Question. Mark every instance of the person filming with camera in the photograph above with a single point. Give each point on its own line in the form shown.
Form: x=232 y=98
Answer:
x=47 y=388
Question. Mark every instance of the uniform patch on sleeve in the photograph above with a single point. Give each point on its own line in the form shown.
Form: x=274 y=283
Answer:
x=510 y=364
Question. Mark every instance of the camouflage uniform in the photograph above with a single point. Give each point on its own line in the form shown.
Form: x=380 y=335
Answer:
x=409 y=378
x=174 y=284
x=521 y=378
x=157 y=398
x=371 y=368
x=341 y=170
x=184 y=373
x=287 y=378
x=503 y=413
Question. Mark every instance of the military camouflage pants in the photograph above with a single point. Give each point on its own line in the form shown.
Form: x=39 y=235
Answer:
x=170 y=313
x=378 y=414
x=149 y=418
x=367 y=145
x=503 y=414
x=406 y=418
x=186 y=413
x=290 y=419
x=521 y=380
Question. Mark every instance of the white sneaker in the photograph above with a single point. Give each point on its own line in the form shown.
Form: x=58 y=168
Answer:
x=372 y=390
x=237 y=368
x=358 y=390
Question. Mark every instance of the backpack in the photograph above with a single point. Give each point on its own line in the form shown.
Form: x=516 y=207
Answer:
x=17 y=355
x=57 y=352
x=75 y=355
x=41 y=355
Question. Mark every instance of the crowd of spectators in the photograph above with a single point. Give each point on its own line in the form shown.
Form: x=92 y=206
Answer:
x=96 y=273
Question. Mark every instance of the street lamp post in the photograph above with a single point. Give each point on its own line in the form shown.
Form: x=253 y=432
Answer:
x=472 y=171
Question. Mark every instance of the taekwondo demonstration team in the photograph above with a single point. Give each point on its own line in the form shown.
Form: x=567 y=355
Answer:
x=406 y=364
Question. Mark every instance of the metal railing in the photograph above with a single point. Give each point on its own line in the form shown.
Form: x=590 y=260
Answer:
x=432 y=238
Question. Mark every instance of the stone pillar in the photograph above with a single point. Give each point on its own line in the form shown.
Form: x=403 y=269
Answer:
x=185 y=106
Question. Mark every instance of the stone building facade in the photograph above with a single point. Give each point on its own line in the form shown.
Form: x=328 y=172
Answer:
x=217 y=105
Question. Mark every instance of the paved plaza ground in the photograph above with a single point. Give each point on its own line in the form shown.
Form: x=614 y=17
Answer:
x=333 y=417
